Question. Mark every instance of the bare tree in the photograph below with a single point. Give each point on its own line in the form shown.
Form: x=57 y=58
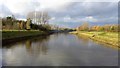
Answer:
x=38 y=17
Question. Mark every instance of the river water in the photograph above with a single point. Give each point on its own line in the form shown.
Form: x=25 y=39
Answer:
x=60 y=49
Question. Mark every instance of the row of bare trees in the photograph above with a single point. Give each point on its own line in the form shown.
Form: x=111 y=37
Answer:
x=107 y=27
x=39 y=17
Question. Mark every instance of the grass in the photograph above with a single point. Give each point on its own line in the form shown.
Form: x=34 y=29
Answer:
x=105 y=37
x=10 y=34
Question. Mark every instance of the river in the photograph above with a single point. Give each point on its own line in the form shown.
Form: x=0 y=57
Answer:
x=60 y=49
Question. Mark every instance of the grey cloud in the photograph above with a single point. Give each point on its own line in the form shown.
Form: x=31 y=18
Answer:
x=26 y=8
x=90 y=8
x=4 y=10
x=19 y=16
x=104 y=12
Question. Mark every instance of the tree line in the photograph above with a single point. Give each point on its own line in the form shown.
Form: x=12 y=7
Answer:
x=11 y=23
x=35 y=20
x=107 y=27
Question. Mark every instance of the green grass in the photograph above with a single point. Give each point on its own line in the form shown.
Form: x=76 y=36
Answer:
x=105 y=37
x=9 y=34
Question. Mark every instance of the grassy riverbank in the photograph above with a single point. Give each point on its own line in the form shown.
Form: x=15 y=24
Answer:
x=105 y=37
x=21 y=33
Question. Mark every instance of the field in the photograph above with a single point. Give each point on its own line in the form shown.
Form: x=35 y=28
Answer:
x=105 y=37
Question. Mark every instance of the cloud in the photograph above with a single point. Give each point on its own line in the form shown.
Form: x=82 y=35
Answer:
x=70 y=13
x=67 y=18
x=93 y=12
x=20 y=6
x=90 y=19
x=89 y=8
x=5 y=11
x=53 y=18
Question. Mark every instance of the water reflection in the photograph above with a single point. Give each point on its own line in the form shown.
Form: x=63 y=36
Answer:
x=28 y=46
x=85 y=40
x=37 y=46
x=59 y=50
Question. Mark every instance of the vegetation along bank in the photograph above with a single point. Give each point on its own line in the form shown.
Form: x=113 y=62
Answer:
x=108 y=34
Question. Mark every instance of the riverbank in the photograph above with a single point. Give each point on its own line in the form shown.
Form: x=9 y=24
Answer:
x=15 y=35
x=110 y=38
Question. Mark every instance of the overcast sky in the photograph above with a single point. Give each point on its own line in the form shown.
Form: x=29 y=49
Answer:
x=68 y=13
